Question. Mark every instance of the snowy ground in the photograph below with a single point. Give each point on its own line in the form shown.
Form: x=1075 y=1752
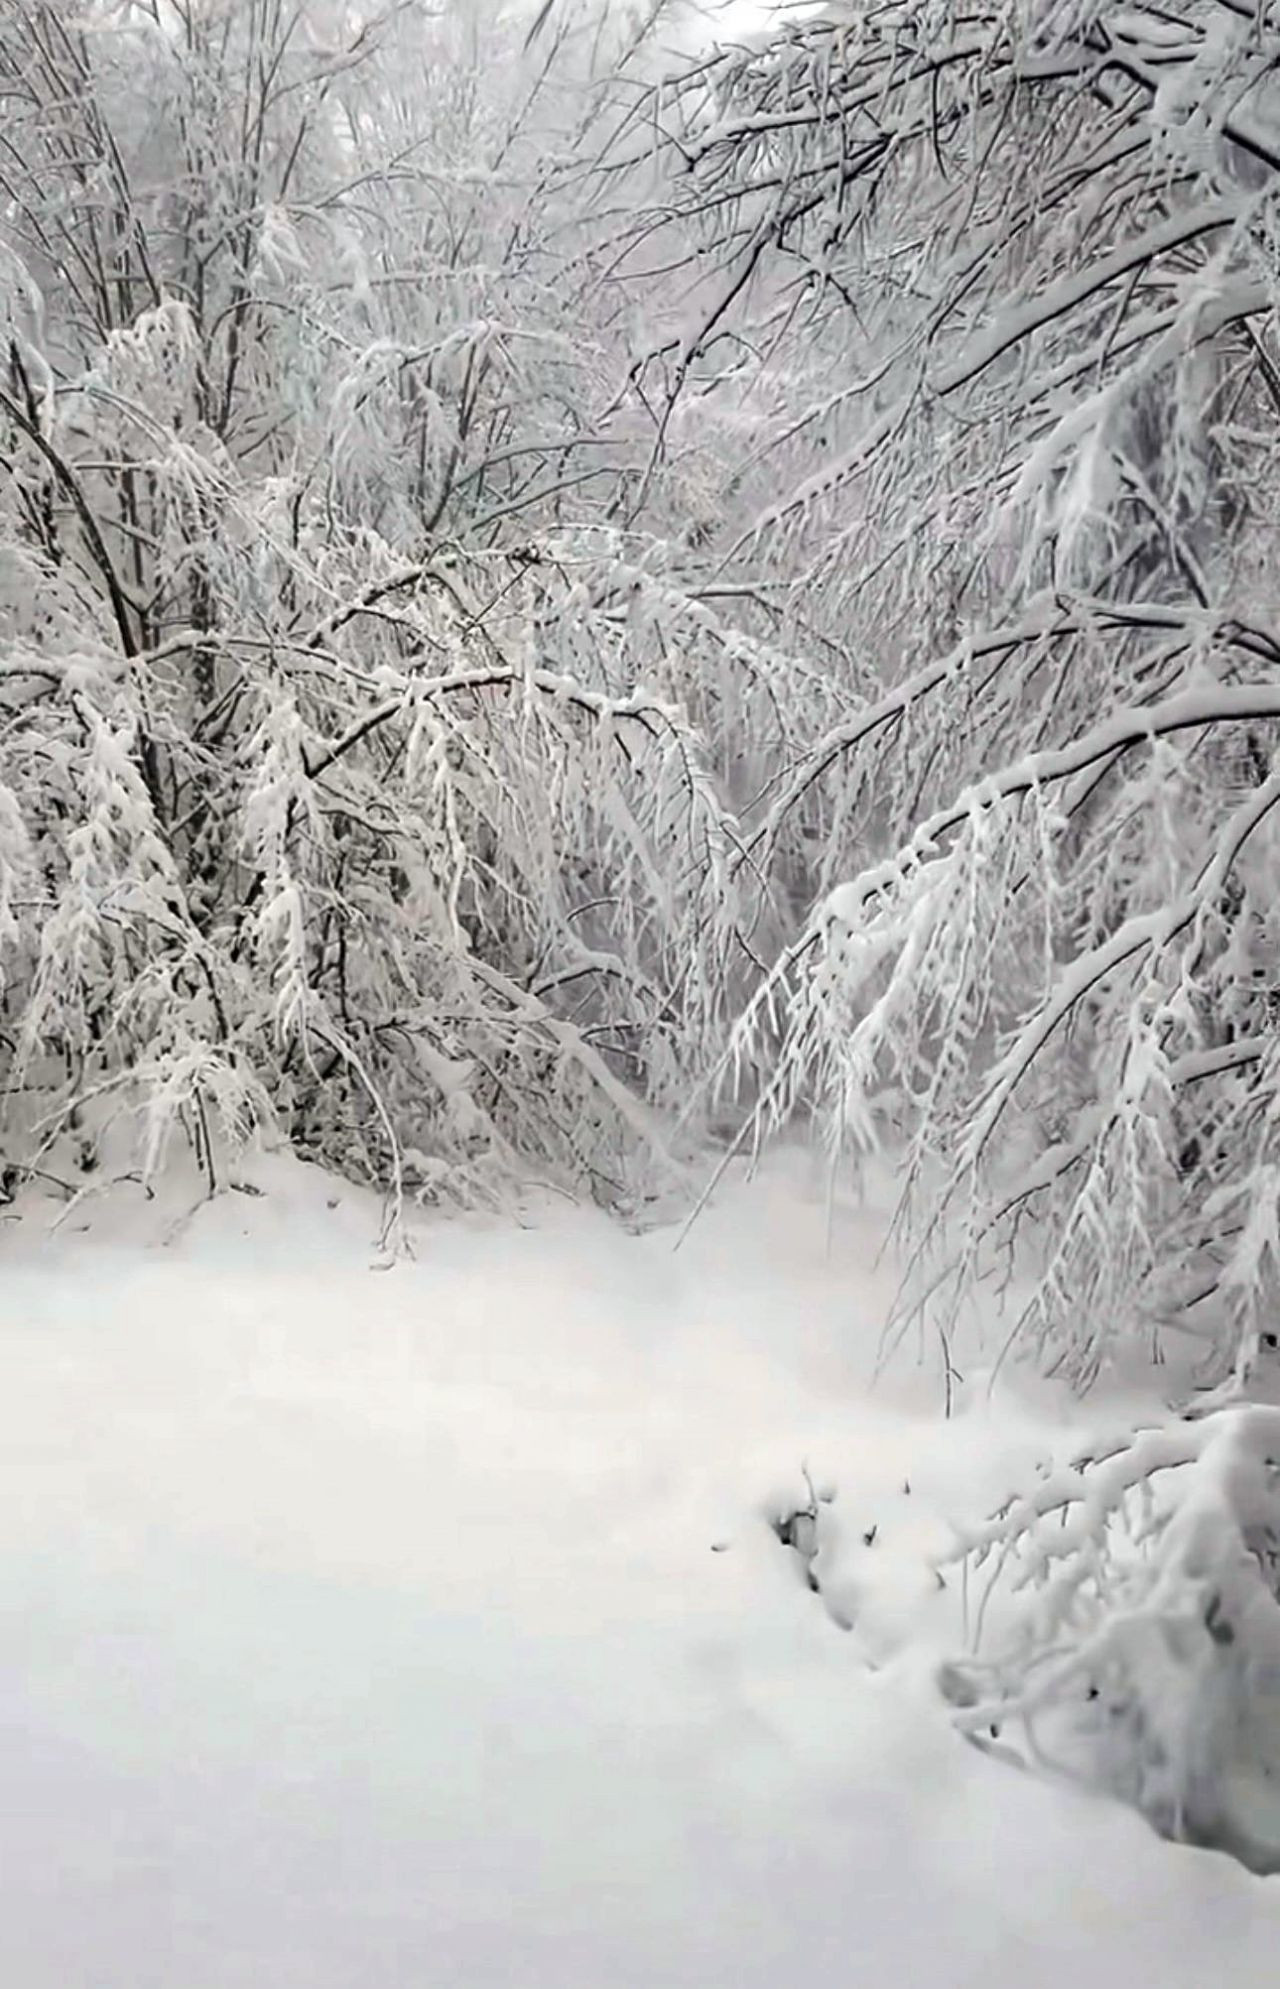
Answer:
x=422 y=1626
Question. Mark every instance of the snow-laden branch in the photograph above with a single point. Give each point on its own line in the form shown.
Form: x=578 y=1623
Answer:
x=1193 y=710
x=1064 y=297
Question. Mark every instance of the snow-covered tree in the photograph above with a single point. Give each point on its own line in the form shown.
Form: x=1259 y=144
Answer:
x=994 y=296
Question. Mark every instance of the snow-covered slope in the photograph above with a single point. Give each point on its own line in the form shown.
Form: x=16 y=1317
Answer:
x=422 y=1624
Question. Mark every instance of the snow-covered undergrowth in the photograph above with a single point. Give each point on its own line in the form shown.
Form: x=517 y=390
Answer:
x=425 y=1622
x=1146 y=1651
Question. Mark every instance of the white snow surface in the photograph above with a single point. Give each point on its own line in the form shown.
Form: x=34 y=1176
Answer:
x=420 y=1623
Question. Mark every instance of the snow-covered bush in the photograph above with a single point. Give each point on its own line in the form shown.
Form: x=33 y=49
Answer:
x=1126 y=1625
x=347 y=770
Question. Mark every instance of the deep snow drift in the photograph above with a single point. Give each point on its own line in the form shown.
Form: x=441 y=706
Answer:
x=421 y=1624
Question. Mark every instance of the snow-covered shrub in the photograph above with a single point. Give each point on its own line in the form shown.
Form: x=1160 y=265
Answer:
x=1125 y=1617
x=350 y=764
